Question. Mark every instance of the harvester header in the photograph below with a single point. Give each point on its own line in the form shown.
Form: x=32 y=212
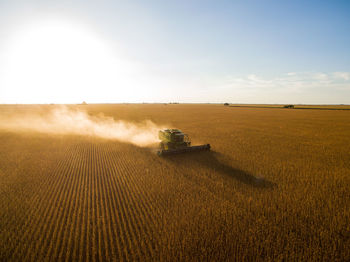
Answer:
x=174 y=141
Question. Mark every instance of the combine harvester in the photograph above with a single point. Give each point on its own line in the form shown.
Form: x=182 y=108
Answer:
x=173 y=141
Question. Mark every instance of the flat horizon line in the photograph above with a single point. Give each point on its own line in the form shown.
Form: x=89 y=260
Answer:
x=173 y=103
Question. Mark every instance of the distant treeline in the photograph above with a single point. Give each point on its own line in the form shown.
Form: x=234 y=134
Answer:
x=316 y=107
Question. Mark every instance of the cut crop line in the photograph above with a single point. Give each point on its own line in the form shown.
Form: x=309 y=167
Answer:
x=135 y=186
x=62 y=218
x=35 y=231
x=67 y=248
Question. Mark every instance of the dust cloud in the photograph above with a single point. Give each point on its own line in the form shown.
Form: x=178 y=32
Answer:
x=64 y=120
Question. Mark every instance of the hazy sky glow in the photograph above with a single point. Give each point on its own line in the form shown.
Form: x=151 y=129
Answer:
x=185 y=51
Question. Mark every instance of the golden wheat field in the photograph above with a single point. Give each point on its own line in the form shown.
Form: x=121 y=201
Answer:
x=275 y=186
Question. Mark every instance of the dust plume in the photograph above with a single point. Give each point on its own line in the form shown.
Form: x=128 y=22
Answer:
x=64 y=120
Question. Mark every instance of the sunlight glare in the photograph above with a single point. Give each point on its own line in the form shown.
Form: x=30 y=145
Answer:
x=56 y=61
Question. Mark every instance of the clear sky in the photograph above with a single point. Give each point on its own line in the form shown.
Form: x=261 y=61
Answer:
x=185 y=51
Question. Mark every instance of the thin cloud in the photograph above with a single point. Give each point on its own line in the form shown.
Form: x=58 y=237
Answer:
x=291 y=87
x=341 y=75
x=292 y=81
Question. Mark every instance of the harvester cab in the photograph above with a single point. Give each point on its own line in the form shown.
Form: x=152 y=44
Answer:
x=174 y=141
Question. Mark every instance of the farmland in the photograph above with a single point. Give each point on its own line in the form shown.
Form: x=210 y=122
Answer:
x=274 y=187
